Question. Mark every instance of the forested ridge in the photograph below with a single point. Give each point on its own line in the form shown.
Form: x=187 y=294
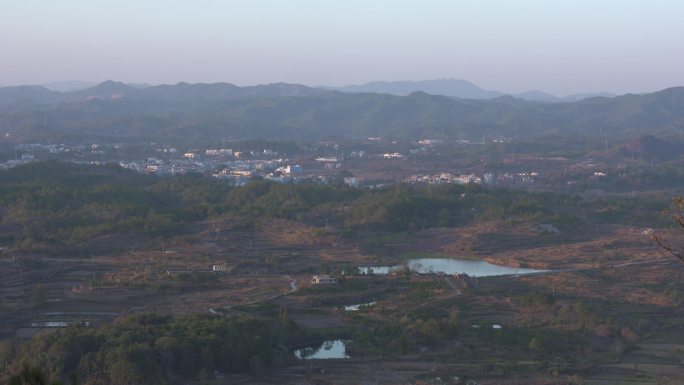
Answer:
x=52 y=206
x=156 y=349
x=184 y=112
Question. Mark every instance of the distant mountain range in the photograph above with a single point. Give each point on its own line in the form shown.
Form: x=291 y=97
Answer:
x=68 y=85
x=446 y=87
x=109 y=90
x=206 y=112
x=459 y=89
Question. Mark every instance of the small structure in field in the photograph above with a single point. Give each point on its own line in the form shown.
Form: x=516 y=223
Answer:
x=220 y=268
x=322 y=280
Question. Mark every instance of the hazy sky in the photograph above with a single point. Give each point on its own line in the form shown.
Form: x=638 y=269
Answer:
x=510 y=45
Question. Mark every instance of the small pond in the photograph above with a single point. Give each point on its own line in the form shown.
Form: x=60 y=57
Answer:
x=58 y=324
x=451 y=266
x=327 y=350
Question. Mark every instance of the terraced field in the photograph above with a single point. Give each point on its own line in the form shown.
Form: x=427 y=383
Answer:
x=658 y=359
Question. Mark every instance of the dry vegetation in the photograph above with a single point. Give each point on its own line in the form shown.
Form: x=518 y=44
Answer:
x=610 y=310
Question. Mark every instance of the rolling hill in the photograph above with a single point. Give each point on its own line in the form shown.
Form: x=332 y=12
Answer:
x=459 y=89
x=286 y=111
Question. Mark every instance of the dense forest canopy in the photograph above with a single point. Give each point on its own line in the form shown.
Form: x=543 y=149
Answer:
x=53 y=206
x=153 y=349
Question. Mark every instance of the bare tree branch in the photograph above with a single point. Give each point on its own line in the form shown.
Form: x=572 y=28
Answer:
x=676 y=212
x=669 y=249
x=680 y=220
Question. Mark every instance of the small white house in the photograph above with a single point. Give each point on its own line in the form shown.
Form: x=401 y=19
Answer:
x=322 y=280
x=293 y=169
x=352 y=182
x=219 y=268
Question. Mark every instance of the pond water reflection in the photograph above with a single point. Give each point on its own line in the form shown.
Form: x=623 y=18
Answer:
x=358 y=306
x=331 y=349
x=58 y=324
x=450 y=266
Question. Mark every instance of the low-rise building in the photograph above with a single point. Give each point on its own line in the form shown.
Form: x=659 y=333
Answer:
x=352 y=182
x=293 y=169
x=219 y=268
x=327 y=159
x=322 y=280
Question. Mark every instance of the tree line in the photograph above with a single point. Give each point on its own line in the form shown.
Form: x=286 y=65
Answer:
x=152 y=349
x=56 y=207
